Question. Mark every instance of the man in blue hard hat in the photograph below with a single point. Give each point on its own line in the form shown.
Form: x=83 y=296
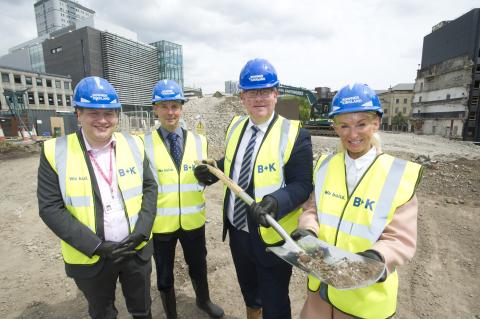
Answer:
x=270 y=157
x=172 y=152
x=97 y=194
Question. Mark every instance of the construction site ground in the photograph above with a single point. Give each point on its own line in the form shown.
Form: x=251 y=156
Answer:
x=442 y=281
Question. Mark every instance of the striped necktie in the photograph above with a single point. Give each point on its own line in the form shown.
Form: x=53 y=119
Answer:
x=175 y=150
x=240 y=208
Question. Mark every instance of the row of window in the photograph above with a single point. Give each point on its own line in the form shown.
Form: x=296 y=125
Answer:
x=405 y=101
x=17 y=79
x=51 y=99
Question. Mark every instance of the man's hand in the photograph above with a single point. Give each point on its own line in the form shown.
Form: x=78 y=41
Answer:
x=299 y=233
x=203 y=175
x=126 y=248
x=106 y=248
x=258 y=211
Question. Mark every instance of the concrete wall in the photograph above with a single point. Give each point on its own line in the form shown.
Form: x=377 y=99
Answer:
x=443 y=128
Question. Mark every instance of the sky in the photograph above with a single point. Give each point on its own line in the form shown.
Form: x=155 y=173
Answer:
x=311 y=43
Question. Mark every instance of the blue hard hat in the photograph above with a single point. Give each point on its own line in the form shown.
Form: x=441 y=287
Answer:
x=94 y=92
x=258 y=74
x=167 y=90
x=355 y=98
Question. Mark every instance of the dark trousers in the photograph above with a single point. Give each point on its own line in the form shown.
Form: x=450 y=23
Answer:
x=262 y=286
x=134 y=275
x=194 y=252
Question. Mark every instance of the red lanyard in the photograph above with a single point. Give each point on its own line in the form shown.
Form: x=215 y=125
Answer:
x=108 y=179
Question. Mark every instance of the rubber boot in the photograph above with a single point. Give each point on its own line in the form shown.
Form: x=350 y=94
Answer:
x=149 y=316
x=253 y=313
x=203 y=298
x=169 y=303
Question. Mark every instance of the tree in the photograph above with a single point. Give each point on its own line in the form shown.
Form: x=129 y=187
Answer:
x=399 y=120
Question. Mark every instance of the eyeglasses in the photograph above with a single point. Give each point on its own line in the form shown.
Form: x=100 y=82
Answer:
x=262 y=93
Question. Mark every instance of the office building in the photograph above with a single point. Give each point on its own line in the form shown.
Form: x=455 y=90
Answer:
x=169 y=61
x=129 y=65
x=42 y=96
x=52 y=15
x=231 y=87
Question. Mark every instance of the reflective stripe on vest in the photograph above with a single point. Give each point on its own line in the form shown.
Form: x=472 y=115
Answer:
x=273 y=154
x=67 y=158
x=180 y=201
x=356 y=222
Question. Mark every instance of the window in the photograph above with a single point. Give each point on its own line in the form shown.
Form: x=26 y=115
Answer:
x=50 y=100
x=67 y=98
x=420 y=99
x=28 y=80
x=478 y=68
x=385 y=111
x=421 y=86
x=404 y=111
x=59 y=100
x=41 y=99
x=56 y=50
x=66 y=85
x=397 y=101
x=31 y=99
x=58 y=84
x=476 y=85
x=405 y=101
x=17 y=79
x=396 y=110
x=39 y=82
x=49 y=83
x=448 y=96
x=5 y=78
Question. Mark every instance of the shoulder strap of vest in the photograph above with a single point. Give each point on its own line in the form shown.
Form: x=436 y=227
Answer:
x=134 y=147
x=234 y=123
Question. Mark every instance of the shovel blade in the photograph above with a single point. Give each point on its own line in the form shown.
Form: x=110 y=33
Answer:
x=334 y=266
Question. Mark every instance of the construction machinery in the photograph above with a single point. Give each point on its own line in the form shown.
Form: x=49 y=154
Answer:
x=319 y=123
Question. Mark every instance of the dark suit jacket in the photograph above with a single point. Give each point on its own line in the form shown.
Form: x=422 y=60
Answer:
x=298 y=179
x=68 y=228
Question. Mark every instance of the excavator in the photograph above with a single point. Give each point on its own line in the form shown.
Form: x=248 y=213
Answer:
x=319 y=123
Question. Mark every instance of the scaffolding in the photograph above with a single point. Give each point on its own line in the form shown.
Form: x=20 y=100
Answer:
x=16 y=105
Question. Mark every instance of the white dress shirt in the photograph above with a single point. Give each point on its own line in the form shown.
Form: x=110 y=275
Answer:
x=237 y=165
x=355 y=168
x=115 y=221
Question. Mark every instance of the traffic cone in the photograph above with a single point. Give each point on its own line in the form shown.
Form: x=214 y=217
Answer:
x=33 y=133
x=25 y=135
x=2 y=136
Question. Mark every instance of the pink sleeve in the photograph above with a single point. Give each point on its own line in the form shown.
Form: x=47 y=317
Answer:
x=398 y=241
x=308 y=219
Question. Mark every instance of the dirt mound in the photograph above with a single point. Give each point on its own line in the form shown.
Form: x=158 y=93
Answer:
x=10 y=150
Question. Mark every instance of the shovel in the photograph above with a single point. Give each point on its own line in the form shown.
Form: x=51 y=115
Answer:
x=332 y=265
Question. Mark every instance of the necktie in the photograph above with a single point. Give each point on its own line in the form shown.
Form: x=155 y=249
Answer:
x=175 y=150
x=240 y=208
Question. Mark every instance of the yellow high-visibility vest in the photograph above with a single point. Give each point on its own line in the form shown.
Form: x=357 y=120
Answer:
x=273 y=154
x=356 y=222
x=67 y=158
x=180 y=202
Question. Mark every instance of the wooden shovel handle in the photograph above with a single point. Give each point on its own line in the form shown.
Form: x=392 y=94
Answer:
x=238 y=191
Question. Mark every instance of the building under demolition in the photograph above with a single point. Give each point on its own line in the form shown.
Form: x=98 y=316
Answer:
x=446 y=91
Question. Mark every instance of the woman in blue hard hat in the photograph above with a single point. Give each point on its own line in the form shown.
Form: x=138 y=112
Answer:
x=364 y=202
x=97 y=194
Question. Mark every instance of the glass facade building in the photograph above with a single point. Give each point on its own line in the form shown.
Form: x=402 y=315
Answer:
x=169 y=61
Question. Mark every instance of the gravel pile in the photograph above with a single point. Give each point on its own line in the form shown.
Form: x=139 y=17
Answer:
x=215 y=114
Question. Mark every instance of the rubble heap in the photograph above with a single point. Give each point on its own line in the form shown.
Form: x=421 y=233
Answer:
x=215 y=114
